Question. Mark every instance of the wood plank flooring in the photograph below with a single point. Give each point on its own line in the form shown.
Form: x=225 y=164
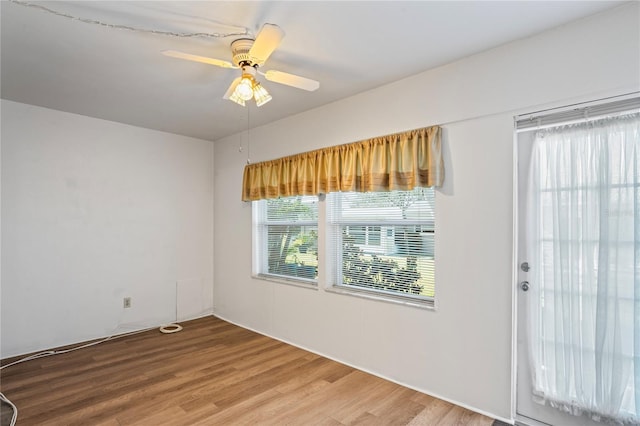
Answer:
x=212 y=373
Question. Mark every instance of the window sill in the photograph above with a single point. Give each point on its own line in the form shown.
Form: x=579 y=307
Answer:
x=428 y=304
x=310 y=284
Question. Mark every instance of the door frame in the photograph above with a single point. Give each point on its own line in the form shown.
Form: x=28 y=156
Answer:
x=514 y=273
x=550 y=108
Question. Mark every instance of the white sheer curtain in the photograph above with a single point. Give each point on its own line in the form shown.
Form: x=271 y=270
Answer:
x=584 y=234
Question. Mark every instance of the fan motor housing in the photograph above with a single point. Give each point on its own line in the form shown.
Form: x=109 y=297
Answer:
x=240 y=52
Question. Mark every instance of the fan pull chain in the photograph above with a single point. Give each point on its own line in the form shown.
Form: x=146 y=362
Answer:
x=248 y=134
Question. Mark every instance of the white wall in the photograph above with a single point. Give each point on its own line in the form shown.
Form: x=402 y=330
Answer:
x=93 y=211
x=462 y=350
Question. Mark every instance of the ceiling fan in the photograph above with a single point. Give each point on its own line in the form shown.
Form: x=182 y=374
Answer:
x=248 y=55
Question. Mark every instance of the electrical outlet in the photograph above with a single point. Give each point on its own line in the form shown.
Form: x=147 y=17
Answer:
x=126 y=302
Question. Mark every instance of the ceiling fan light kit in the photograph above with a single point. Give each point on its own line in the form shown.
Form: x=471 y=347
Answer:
x=249 y=54
x=247 y=87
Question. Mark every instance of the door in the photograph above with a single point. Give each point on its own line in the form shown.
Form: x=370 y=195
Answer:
x=528 y=303
x=527 y=410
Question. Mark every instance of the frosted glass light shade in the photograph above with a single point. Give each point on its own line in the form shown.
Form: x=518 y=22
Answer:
x=235 y=98
x=261 y=95
x=244 y=89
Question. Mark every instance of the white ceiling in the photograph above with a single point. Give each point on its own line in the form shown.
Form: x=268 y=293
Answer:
x=97 y=70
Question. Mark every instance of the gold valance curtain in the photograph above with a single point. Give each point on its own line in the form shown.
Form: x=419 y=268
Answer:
x=400 y=161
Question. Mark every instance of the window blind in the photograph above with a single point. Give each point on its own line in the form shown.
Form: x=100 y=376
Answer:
x=576 y=113
x=286 y=237
x=383 y=242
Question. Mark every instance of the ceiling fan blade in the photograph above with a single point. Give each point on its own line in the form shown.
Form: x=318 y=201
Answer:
x=196 y=58
x=231 y=88
x=292 y=80
x=266 y=42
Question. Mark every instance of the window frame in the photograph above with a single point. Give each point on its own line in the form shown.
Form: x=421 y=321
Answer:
x=260 y=241
x=334 y=237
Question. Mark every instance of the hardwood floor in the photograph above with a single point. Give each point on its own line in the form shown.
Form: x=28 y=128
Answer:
x=212 y=373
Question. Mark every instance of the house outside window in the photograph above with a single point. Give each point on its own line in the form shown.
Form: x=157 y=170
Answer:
x=364 y=235
x=286 y=238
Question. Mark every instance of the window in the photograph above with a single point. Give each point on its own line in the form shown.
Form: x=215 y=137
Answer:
x=383 y=242
x=364 y=235
x=286 y=238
